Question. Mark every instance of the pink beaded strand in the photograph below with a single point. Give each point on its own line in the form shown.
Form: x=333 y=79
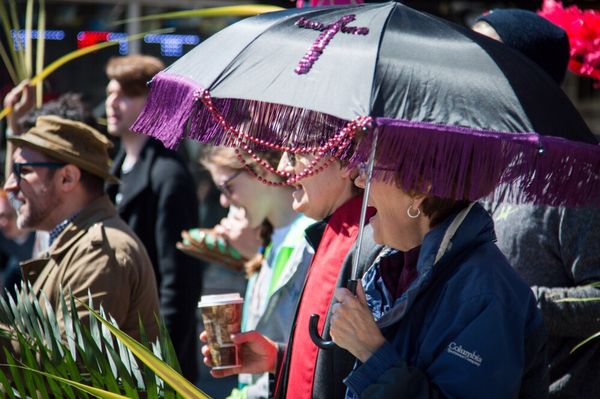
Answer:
x=338 y=144
x=329 y=145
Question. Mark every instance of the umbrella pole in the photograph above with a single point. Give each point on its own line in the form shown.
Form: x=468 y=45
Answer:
x=314 y=318
x=363 y=216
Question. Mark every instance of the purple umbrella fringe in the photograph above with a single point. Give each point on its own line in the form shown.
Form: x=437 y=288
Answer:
x=173 y=112
x=276 y=124
x=452 y=162
x=169 y=104
x=462 y=163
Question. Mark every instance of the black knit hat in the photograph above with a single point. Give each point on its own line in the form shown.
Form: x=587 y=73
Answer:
x=534 y=36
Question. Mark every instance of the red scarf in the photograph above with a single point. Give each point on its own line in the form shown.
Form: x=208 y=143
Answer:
x=339 y=235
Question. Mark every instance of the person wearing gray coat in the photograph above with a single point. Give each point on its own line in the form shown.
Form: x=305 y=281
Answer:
x=554 y=249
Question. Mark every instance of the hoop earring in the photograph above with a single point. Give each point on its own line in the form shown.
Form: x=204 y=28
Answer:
x=413 y=215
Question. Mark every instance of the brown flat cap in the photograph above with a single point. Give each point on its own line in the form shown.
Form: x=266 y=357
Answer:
x=71 y=142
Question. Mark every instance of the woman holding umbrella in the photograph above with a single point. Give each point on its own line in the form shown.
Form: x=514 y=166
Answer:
x=442 y=313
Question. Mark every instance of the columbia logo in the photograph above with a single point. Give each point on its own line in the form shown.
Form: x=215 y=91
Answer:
x=471 y=357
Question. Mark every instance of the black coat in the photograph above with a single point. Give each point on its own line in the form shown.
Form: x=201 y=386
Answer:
x=158 y=203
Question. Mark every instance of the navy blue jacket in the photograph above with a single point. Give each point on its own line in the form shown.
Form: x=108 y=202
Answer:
x=467 y=327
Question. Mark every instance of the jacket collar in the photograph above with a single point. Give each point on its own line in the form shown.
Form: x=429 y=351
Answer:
x=463 y=229
x=140 y=173
x=98 y=210
x=314 y=233
x=37 y=270
x=473 y=230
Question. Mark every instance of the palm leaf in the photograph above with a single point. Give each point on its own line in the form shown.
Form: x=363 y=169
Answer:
x=594 y=285
x=16 y=376
x=85 y=357
x=40 y=52
x=28 y=31
x=35 y=385
x=18 y=56
x=5 y=383
x=82 y=387
x=578 y=300
x=8 y=63
x=242 y=11
x=585 y=341
x=162 y=369
x=76 y=54
x=6 y=57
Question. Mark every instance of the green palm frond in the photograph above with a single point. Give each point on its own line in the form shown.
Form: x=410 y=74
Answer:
x=239 y=11
x=171 y=376
x=73 y=55
x=10 y=58
x=40 y=50
x=592 y=299
x=28 y=40
x=86 y=358
x=18 y=56
x=594 y=285
x=578 y=300
x=585 y=341
x=18 y=59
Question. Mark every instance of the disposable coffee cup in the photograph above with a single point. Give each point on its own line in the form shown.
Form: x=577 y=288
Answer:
x=222 y=316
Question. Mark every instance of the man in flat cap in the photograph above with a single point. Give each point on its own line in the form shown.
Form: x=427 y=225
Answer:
x=57 y=180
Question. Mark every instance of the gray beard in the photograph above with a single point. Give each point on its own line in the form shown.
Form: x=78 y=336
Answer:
x=14 y=202
x=36 y=214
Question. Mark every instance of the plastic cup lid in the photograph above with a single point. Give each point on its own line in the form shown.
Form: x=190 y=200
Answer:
x=222 y=299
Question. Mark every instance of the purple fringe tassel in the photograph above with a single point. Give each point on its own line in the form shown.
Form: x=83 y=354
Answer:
x=173 y=112
x=461 y=163
x=274 y=123
x=169 y=105
x=449 y=162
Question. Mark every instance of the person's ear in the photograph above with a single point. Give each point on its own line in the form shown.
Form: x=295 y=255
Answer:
x=418 y=200
x=70 y=177
x=346 y=170
x=350 y=172
x=418 y=197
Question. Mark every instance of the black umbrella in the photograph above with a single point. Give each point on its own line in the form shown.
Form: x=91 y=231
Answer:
x=457 y=115
x=451 y=106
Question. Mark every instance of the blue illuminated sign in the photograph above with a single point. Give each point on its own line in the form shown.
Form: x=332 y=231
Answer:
x=19 y=36
x=172 y=45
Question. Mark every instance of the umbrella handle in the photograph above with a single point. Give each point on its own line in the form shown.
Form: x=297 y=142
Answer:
x=314 y=334
x=352 y=286
x=314 y=322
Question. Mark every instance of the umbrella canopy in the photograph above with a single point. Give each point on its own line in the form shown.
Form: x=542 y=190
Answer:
x=457 y=114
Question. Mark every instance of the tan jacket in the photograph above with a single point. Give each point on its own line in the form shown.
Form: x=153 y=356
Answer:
x=99 y=252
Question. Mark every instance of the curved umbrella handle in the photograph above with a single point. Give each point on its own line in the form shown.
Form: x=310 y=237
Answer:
x=314 y=334
x=314 y=322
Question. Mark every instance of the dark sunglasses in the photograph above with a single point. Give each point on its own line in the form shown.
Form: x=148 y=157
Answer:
x=224 y=187
x=17 y=167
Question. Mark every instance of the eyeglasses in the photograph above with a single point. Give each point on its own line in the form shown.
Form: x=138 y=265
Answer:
x=224 y=187
x=20 y=168
x=291 y=159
